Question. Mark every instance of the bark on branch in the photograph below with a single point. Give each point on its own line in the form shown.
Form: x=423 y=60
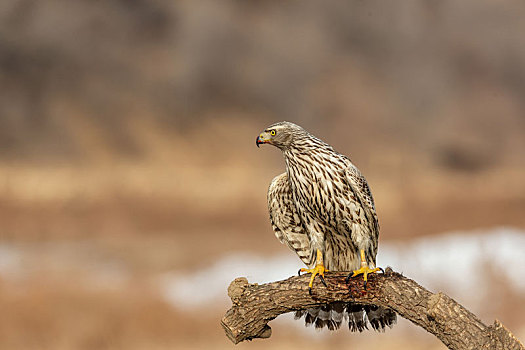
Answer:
x=255 y=305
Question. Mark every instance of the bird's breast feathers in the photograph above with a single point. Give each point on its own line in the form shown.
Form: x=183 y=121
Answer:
x=320 y=191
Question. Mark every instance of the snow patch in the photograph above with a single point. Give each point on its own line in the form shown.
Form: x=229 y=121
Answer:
x=458 y=263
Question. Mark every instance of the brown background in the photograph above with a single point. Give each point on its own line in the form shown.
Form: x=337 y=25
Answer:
x=127 y=149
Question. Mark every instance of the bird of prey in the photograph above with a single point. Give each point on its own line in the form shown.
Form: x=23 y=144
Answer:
x=321 y=207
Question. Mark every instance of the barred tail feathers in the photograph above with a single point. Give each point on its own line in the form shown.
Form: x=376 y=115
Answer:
x=358 y=316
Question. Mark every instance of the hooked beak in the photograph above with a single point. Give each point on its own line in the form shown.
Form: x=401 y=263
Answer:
x=259 y=141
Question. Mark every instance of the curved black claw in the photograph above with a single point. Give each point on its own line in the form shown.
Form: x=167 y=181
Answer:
x=364 y=285
x=380 y=268
x=299 y=272
x=347 y=280
x=322 y=280
x=310 y=290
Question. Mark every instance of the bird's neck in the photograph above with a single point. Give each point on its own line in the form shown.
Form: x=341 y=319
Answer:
x=306 y=148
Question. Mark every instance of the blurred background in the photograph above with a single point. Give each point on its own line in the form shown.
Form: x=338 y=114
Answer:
x=132 y=193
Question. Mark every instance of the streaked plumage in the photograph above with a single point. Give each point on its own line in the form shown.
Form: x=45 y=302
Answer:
x=323 y=202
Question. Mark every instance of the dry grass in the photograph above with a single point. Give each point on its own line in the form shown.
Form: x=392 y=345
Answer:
x=127 y=147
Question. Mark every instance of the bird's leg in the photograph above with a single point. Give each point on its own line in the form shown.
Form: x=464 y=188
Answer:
x=319 y=269
x=364 y=270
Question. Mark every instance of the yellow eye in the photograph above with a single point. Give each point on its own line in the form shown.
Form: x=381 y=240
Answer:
x=273 y=133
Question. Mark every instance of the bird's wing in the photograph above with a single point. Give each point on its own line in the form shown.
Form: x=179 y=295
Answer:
x=360 y=187
x=285 y=219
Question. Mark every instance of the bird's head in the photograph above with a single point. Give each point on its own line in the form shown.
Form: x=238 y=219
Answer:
x=280 y=135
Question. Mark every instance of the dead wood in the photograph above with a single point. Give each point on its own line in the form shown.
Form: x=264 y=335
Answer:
x=255 y=305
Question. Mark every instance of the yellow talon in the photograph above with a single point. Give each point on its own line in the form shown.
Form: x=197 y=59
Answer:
x=319 y=269
x=364 y=270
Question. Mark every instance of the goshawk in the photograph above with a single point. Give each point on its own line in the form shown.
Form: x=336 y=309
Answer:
x=322 y=209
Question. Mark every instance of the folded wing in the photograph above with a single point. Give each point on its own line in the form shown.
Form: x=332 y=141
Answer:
x=285 y=219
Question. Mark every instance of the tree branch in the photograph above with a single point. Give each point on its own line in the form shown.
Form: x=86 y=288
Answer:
x=255 y=305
